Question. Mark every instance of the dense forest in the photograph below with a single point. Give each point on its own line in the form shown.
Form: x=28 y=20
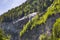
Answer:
x=45 y=25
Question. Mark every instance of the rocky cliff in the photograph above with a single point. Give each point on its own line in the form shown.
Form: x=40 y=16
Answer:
x=33 y=20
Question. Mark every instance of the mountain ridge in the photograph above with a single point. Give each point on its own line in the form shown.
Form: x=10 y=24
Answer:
x=41 y=26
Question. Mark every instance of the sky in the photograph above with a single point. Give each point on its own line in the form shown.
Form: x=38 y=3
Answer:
x=5 y=5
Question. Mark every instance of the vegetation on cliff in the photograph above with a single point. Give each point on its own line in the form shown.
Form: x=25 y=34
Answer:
x=53 y=9
x=44 y=9
x=4 y=37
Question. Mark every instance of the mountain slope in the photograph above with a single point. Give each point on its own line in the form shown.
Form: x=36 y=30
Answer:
x=50 y=11
x=25 y=9
x=33 y=20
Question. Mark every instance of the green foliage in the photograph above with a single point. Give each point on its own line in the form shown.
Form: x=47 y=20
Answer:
x=55 y=35
x=56 y=30
x=24 y=9
x=25 y=28
x=49 y=12
x=44 y=37
x=3 y=37
x=53 y=9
